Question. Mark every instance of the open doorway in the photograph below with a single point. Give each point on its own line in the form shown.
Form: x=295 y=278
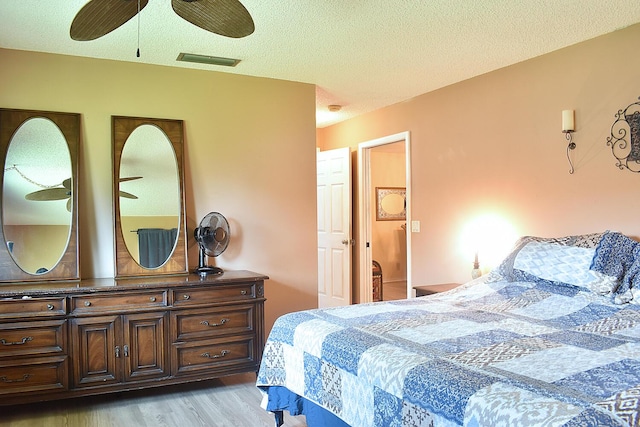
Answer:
x=385 y=237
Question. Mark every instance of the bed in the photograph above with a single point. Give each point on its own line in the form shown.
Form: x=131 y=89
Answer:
x=550 y=337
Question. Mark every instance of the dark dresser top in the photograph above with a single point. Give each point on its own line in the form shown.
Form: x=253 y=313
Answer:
x=8 y=290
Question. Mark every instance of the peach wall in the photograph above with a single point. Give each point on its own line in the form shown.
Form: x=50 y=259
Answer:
x=493 y=145
x=249 y=153
x=50 y=241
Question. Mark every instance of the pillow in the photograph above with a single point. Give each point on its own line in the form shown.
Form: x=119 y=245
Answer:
x=618 y=256
x=505 y=270
x=562 y=264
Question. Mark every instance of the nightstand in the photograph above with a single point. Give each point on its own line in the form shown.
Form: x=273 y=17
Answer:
x=422 y=290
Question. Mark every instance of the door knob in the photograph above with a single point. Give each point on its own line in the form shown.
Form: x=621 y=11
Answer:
x=349 y=242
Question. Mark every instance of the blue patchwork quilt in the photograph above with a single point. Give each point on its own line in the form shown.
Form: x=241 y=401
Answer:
x=485 y=354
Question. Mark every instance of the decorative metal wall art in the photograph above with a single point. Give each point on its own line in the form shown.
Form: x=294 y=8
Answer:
x=627 y=125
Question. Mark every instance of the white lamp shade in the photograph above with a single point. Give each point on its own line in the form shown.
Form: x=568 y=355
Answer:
x=568 y=121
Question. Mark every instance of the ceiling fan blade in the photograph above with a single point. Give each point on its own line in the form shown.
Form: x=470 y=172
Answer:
x=228 y=18
x=129 y=178
x=127 y=195
x=49 y=194
x=100 y=17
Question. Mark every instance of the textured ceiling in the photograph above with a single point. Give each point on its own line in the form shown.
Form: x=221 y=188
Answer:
x=362 y=54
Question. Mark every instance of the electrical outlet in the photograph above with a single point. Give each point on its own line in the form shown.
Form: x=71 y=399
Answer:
x=415 y=226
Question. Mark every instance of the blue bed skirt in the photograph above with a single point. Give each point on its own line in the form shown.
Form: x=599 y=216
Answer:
x=281 y=399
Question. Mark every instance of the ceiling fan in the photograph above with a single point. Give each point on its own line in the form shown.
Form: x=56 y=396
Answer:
x=227 y=18
x=63 y=191
x=53 y=193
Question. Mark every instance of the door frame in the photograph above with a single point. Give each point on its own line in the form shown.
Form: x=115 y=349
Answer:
x=365 y=205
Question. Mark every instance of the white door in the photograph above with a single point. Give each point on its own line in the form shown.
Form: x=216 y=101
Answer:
x=334 y=227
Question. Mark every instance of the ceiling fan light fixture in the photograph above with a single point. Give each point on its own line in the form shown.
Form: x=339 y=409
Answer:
x=206 y=59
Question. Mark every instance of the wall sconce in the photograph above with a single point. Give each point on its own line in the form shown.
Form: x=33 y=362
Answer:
x=568 y=127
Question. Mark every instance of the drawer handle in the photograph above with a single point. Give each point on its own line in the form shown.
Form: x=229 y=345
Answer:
x=20 y=380
x=185 y=296
x=223 y=353
x=243 y=292
x=222 y=322
x=24 y=341
x=50 y=307
x=87 y=303
x=152 y=299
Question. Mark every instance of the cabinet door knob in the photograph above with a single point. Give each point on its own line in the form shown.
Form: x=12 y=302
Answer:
x=117 y=351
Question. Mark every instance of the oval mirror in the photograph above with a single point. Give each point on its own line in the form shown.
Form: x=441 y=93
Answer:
x=149 y=196
x=393 y=203
x=150 y=227
x=36 y=196
x=39 y=195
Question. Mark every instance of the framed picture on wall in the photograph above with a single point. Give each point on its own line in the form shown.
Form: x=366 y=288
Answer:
x=391 y=204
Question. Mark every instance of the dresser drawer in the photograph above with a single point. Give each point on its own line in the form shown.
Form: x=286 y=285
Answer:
x=33 y=307
x=211 y=295
x=107 y=303
x=212 y=322
x=33 y=338
x=213 y=354
x=34 y=375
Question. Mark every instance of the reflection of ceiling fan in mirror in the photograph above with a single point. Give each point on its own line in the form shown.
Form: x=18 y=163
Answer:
x=61 y=192
x=124 y=193
x=227 y=18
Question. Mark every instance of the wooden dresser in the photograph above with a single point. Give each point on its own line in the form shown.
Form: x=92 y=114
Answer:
x=61 y=340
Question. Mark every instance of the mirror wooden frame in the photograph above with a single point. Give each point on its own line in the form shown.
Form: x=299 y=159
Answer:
x=125 y=264
x=383 y=215
x=68 y=267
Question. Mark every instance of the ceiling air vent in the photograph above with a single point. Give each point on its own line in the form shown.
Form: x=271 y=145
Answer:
x=205 y=59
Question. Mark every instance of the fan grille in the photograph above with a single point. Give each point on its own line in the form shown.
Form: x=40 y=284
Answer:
x=213 y=234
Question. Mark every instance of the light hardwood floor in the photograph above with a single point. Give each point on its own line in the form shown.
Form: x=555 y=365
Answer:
x=394 y=291
x=232 y=401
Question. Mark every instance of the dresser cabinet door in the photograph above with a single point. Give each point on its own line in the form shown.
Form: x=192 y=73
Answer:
x=95 y=350
x=144 y=346
x=114 y=349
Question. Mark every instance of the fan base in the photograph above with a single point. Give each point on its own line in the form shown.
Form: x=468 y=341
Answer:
x=206 y=270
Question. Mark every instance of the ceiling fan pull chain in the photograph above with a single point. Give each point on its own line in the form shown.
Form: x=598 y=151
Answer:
x=138 y=51
x=29 y=180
